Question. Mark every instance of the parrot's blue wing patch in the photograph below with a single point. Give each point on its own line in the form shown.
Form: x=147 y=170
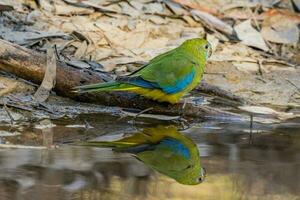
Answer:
x=177 y=87
x=180 y=85
x=170 y=143
x=176 y=146
x=138 y=81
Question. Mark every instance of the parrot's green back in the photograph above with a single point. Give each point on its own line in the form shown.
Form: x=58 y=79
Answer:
x=166 y=77
x=163 y=149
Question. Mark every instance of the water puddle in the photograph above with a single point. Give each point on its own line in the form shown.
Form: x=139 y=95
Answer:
x=158 y=161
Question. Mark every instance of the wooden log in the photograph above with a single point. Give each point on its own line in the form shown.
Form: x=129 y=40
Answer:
x=30 y=65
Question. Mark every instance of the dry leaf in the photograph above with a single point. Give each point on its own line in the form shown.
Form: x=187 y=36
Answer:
x=190 y=21
x=81 y=50
x=71 y=10
x=176 y=8
x=154 y=8
x=268 y=111
x=5 y=6
x=88 y=4
x=126 y=8
x=280 y=28
x=197 y=5
x=246 y=66
x=49 y=80
x=78 y=64
x=213 y=21
x=157 y=20
x=249 y=36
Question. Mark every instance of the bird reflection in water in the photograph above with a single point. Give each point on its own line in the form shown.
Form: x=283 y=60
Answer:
x=163 y=149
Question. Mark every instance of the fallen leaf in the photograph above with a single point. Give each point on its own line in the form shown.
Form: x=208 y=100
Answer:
x=33 y=16
x=212 y=21
x=197 y=6
x=190 y=21
x=266 y=3
x=242 y=14
x=238 y=4
x=49 y=80
x=154 y=8
x=67 y=10
x=78 y=64
x=111 y=63
x=268 y=111
x=176 y=8
x=250 y=36
x=43 y=35
x=157 y=20
x=246 y=66
x=5 y=7
x=129 y=10
x=81 y=50
x=280 y=28
x=88 y=4
x=137 y=5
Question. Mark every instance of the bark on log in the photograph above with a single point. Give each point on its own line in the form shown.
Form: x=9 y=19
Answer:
x=30 y=65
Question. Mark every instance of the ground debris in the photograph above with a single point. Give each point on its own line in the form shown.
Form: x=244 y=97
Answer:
x=254 y=42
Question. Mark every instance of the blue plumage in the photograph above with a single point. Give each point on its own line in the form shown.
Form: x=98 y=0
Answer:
x=176 y=146
x=169 y=143
x=180 y=85
x=143 y=83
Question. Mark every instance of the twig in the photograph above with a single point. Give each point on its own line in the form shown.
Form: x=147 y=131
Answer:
x=293 y=84
x=56 y=52
x=12 y=120
x=259 y=62
x=103 y=35
x=17 y=146
x=251 y=129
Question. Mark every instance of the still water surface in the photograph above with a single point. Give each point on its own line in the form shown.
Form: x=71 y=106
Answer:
x=238 y=165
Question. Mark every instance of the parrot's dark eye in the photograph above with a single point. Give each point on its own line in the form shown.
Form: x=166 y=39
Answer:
x=206 y=46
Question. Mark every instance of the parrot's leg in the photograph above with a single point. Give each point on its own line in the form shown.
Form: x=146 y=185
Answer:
x=138 y=114
x=183 y=122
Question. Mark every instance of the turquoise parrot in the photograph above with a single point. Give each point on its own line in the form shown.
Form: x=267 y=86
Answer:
x=163 y=149
x=167 y=77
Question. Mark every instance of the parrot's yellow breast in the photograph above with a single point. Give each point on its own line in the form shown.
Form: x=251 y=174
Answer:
x=159 y=95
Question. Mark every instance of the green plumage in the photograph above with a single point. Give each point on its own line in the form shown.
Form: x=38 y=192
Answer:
x=163 y=149
x=166 y=77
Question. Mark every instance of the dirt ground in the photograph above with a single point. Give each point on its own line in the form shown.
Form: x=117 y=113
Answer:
x=248 y=58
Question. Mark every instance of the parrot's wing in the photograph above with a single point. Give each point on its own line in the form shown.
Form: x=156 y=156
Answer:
x=171 y=73
x=170 y=155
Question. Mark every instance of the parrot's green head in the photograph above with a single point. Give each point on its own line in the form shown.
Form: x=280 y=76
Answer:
x=194 y=176
x=198 y=47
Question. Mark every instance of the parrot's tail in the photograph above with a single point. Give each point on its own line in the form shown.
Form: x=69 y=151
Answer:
x=119 y=146
x=109 y=86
